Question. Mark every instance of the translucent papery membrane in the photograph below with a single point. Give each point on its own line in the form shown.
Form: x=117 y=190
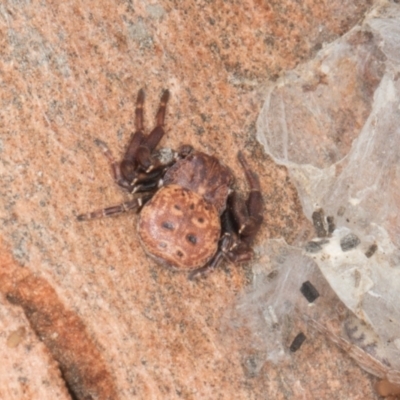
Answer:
x=275 y=304
x=335 y=124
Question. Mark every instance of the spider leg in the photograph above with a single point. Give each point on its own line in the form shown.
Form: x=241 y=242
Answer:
x=139 y=111
x=239 y=250
x=224 y=243
x=123 y=172
x=146 y=186
x=115 y=166
x=230 y=247
x=248 y=215
x=150 y=142
x=135 y=205
x=128 y=163
x=137 y=160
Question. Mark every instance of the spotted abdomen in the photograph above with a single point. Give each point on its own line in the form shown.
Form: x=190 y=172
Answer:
x=178 y=227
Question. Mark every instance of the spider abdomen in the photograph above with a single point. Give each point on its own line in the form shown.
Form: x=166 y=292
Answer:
x=179 y=228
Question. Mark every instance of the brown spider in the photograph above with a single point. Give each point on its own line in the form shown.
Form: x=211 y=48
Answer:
x=190 y=217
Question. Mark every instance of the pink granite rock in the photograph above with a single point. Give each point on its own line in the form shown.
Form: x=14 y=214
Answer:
x=116 y=324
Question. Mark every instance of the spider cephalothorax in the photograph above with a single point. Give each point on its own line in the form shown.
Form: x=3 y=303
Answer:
x=190 y=216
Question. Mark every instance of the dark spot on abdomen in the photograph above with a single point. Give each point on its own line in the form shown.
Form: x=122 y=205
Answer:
x=191 y=238
x=168 y=225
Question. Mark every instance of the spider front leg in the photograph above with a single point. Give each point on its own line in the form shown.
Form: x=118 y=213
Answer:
x=135 y=205
x=128 y=164
x=137 y=162
x=248 y=215
x=119 y=178
x=138 y=155
x=124 y=172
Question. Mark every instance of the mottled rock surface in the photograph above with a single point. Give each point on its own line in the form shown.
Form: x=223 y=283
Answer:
x=80 y=302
